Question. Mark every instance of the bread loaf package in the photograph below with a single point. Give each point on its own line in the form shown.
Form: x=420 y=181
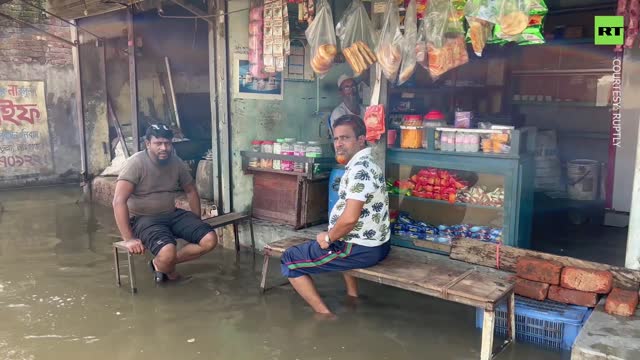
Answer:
x=322 y=38
x=388 y=51
x=356 y=36
x=444 y=38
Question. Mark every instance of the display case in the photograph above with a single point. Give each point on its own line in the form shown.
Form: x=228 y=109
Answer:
x=437 y=196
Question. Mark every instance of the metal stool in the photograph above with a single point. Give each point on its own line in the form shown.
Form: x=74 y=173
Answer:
x=119 y=247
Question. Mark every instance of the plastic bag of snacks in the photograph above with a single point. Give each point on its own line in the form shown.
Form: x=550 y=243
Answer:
x=409 y=44
x=533 y=34
x=513 y=17
x=421 y=47
x=445 y=38
x=374 y=121
x=355 y=33
x=481 y=16
x=256 y=21
x=388 y=51
x=322 y=38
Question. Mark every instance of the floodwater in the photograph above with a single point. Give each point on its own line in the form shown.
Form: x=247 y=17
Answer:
x=58 y=300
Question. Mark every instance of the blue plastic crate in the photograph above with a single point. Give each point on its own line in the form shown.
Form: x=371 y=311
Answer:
x=545 y=323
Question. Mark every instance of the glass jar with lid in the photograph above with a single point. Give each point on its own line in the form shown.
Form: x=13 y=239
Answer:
x=256 y=147
x=277 y=149
x=267 y=148
x=287 y=149
x=314 y=150
x=299 y=149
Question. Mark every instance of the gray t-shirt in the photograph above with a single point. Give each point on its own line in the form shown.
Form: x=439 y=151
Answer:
x=156 y=186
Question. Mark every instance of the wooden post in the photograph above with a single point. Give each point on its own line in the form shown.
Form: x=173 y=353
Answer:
x=133 y=80
x=511 y=317
x=224 y=128
x=75 y=54
x=214 y=108
x=488 y=327
x=265 y=269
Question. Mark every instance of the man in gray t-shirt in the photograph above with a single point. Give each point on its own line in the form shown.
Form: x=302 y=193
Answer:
x=145 y=211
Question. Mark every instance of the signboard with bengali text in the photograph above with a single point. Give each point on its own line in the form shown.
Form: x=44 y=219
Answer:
x=25 y=146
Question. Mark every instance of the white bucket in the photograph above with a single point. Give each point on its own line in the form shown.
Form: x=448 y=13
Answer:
x=583 y=179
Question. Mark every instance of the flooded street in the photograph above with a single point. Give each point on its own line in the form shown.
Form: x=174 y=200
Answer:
x=58 y=300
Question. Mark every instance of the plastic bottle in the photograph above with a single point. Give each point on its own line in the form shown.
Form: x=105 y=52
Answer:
x=299 y=149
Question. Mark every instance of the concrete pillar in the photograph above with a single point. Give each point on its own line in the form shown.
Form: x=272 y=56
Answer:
x=632 y=260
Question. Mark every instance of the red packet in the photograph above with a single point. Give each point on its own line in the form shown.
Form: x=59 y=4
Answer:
x=374 y=121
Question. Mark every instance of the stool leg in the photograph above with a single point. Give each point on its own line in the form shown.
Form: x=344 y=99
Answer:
x=511 y=317
x=253 y=241
x=488 y=328
x=237 y=237
x=116 y=263
x=265 y=268
x=132 y=274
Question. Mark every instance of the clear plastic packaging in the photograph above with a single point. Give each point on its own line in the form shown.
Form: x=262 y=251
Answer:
x=409 y=43
x=322 y=39
x=267 y=148
x=389 y=51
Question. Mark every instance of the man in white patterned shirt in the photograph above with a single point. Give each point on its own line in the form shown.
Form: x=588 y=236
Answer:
x=358 y=235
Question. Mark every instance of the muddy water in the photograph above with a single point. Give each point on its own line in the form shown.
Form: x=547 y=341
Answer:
x=58 y=301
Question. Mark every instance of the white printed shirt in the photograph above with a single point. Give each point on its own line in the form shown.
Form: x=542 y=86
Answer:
x=363 y=180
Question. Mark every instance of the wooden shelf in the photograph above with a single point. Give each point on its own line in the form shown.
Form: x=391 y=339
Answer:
x=558 y=103
x=561 y=72
x=442 y=202
x=320 y=176
x=457 y=153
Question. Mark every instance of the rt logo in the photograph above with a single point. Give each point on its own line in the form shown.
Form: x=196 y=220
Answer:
x=609 y=30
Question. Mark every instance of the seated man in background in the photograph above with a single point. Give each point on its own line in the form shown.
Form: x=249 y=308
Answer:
x=145 y=211
x=358 y=235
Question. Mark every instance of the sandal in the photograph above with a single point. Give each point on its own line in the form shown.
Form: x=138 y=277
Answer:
x=158 y=277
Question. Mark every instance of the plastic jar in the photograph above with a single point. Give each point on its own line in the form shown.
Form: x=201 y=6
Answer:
x=473 y=142
x=277 y=149
x=267 y=148
x=299 y=149
x=313 y=150
x=256 y=146
x=287 y=149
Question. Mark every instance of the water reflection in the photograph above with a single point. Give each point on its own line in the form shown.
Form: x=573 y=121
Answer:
x=58 y=300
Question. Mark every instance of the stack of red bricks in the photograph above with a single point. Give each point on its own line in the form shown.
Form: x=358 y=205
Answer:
x=541 y=279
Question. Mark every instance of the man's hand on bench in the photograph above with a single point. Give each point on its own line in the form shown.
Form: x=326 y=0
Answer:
x=134 y=246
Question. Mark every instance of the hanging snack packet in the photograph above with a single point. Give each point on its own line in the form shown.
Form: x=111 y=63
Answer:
x=374 y=121
x=322 y=38
x=409 y=43
x=389 y=52
x=481 y=16
x=421 y=47
x=445 y=38
x=513 y=17
x=355 y=33
x=533 y=34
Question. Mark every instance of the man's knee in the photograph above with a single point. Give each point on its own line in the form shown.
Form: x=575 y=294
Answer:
x=167 y=255
x=209 y=241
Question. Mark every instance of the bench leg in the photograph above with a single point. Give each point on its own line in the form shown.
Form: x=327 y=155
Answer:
x=511 y=318
x=253 y=240
x=116 y=263
x=132 y=274
x=236 y=236
x=265 y=269
x=488 y=327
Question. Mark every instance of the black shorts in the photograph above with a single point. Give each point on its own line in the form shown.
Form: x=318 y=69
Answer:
x=156 y=231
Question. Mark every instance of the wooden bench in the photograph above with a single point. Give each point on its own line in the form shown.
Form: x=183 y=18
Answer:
x=437 y=276
x=215 y=222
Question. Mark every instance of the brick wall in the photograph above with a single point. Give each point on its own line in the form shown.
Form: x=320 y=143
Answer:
x=19 y=44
